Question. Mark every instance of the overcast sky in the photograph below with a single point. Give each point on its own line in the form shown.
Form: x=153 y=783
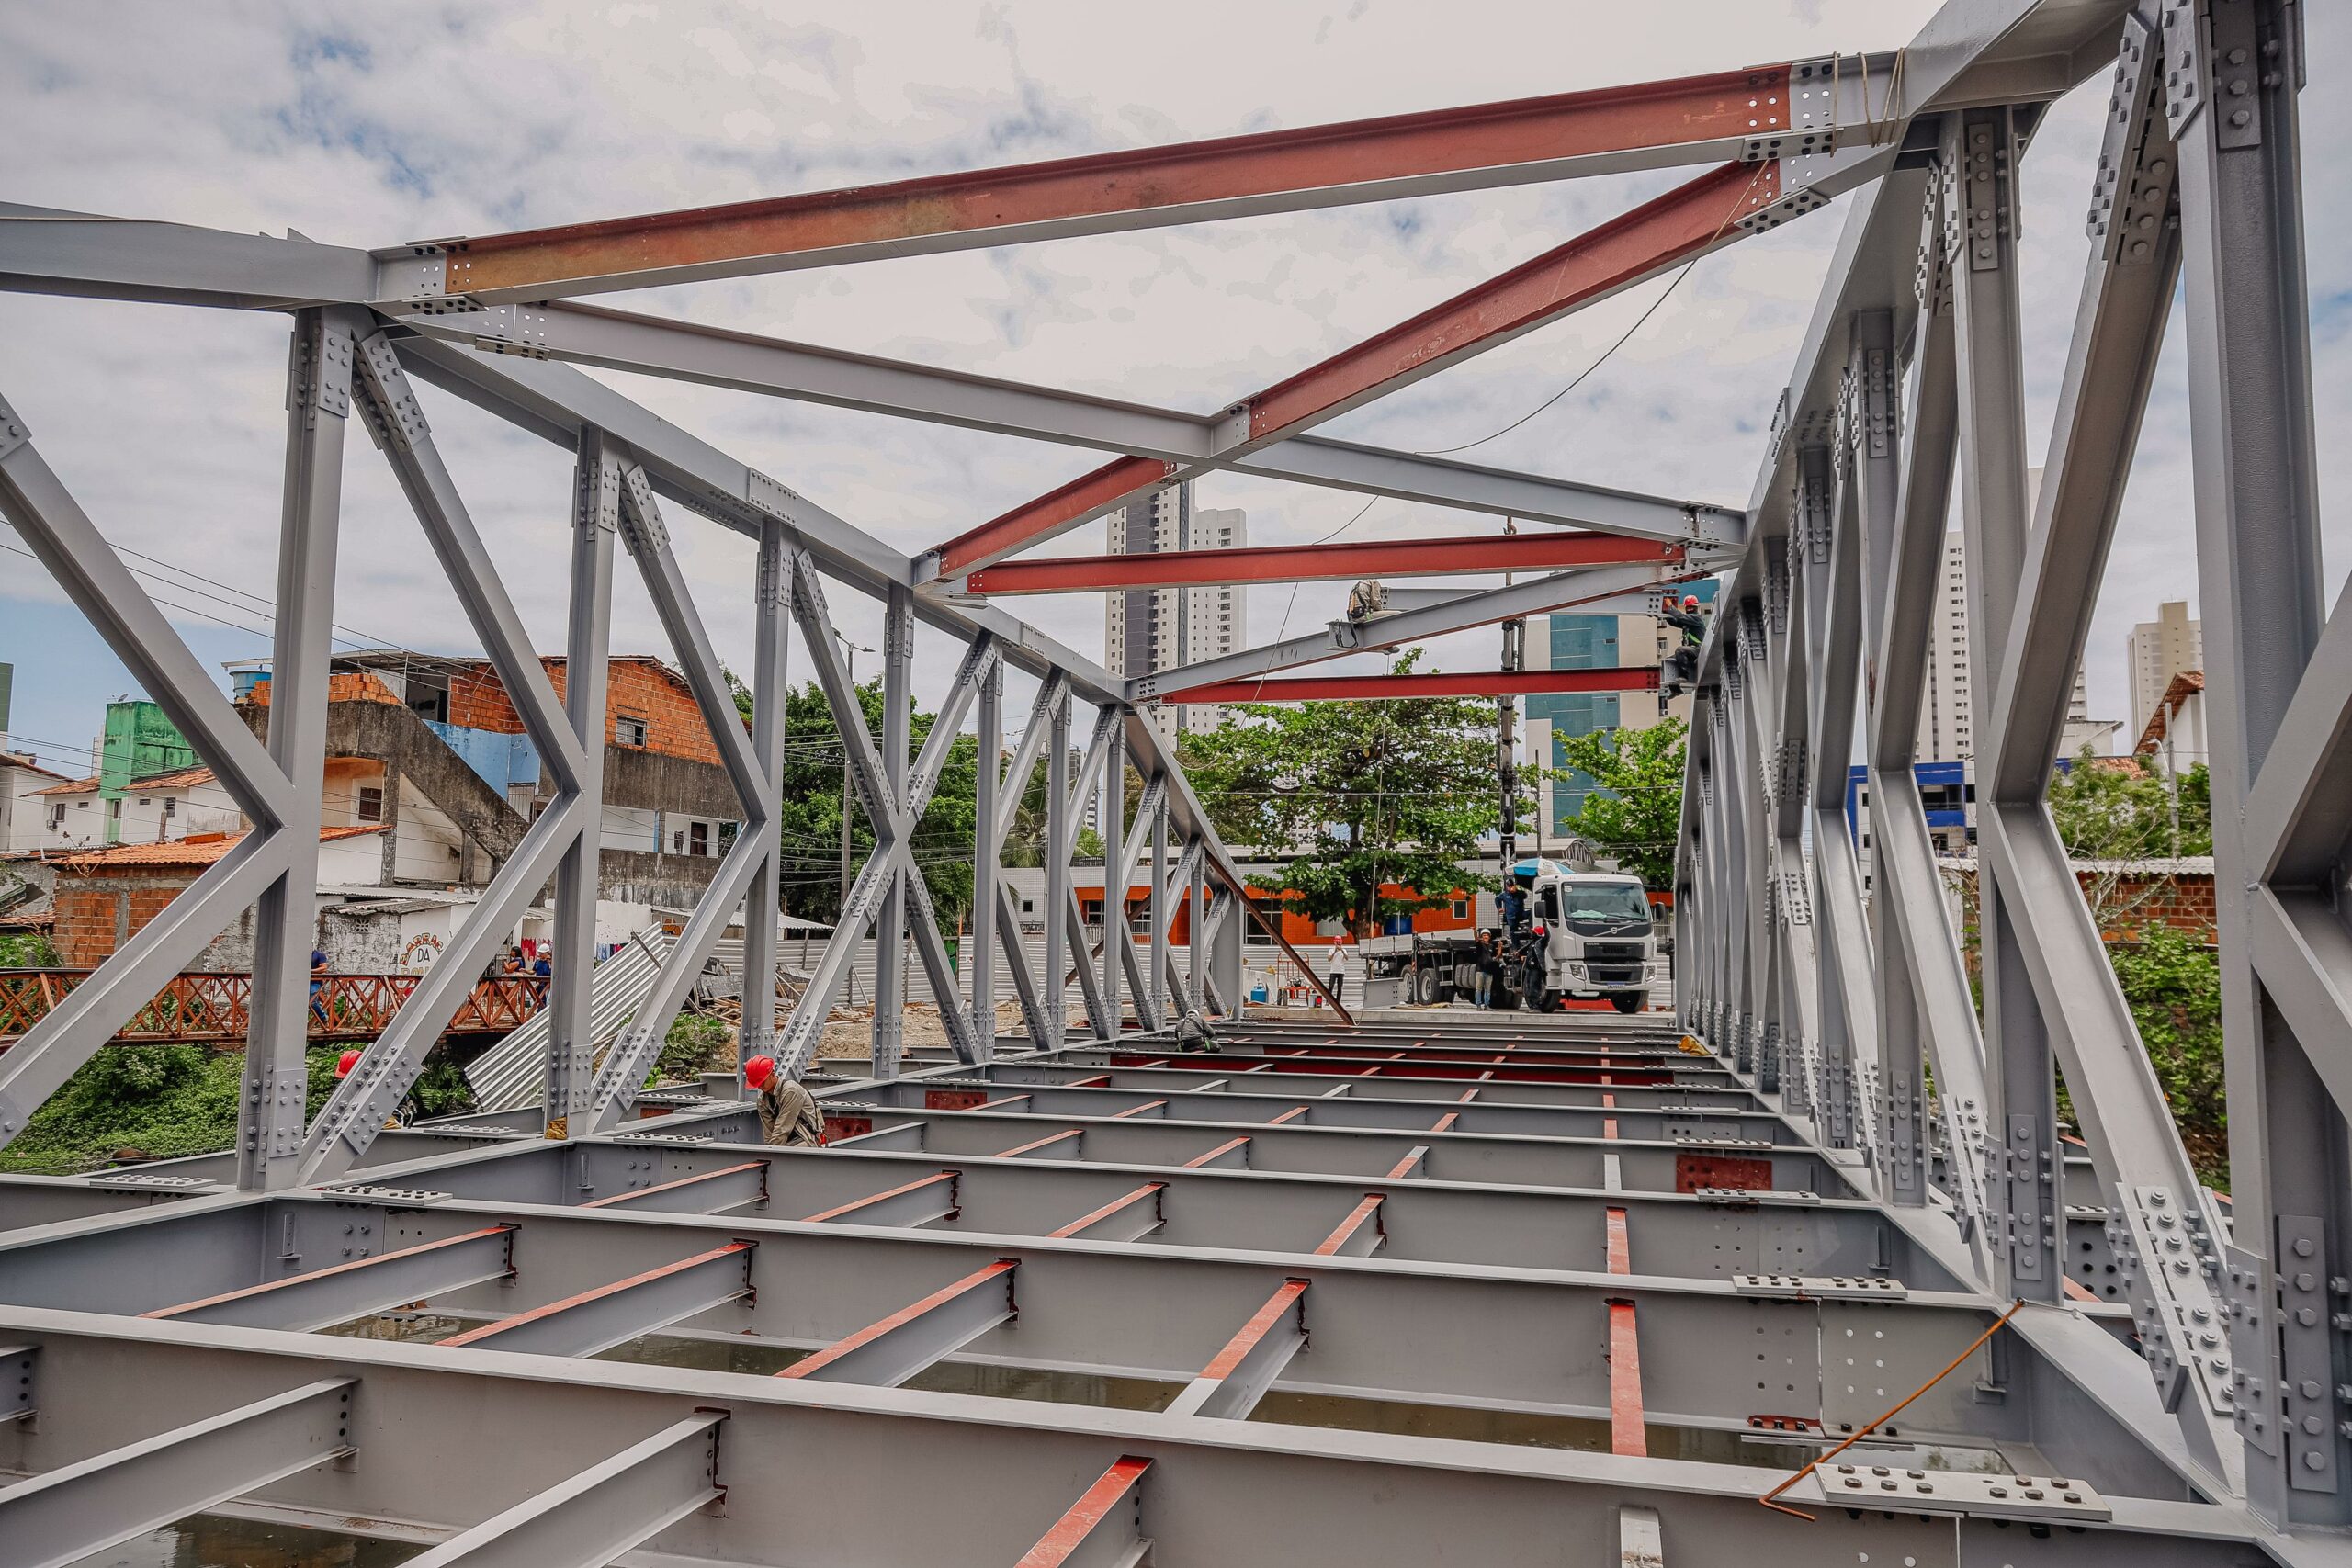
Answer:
x=476 y=117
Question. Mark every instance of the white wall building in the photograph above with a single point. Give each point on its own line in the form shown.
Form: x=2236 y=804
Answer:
x=1148 y=629
x=2157 y=651
x=21 y=816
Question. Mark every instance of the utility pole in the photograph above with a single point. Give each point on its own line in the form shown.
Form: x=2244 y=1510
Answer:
x=852 y=649
x=1506 y=730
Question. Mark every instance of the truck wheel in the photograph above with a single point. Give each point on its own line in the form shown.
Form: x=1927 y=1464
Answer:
x=1630 y=1001
x=1425 y=986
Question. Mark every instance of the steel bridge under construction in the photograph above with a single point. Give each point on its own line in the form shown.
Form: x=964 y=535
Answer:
x=1414 y=1288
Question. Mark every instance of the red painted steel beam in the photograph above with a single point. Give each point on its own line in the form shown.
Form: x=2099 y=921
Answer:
x=950 y=1179
x=1627 y=1433
x=490 y=1331
x=1682 y=223
x=635 y=1193
x=978 y=1280
x=1326 y=165
x=1021 y=1151
x=380 y=1261
x=1110 y=1509
x=1238 y=1147
x=1112 y=1221
x=1322 y=563
x=1375 y=688
x=1350 y=1238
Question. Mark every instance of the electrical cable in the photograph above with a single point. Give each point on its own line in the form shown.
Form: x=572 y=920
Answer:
x=1258 y=691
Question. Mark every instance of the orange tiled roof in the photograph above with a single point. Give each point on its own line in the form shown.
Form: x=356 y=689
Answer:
x=2153 y=733
x=196 y=850
x=185 y=778
x=77 y=786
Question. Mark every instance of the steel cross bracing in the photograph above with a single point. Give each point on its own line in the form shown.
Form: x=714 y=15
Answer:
x=1381 y=1273
x=1914 y=369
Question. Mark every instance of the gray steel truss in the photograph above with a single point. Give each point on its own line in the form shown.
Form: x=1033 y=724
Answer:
x=1373 y=1292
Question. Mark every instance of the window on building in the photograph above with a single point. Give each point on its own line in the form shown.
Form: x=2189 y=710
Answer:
x=146 y=800
x=81 y=806
x=1028 y=906
x=57 y=816
x=677 y=841
x=171 y=807
x=114 y=809
x=629 y=732
x=1461 y=909
x=698 y=837
x=371 y=804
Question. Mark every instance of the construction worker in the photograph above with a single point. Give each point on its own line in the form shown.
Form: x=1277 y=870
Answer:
x=789 y=1113
x=1490 y=969
x=1682 y=664
x=1192 y=1032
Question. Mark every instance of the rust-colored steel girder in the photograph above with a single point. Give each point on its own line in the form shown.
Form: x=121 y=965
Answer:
x=1680 y=224
x=1547 y=551
x=1373 y=688
x=1648 y=125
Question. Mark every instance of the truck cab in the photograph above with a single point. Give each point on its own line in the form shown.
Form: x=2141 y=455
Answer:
x=1591 y=935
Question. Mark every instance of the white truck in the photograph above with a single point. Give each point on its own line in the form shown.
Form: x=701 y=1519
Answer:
x=1564 y=933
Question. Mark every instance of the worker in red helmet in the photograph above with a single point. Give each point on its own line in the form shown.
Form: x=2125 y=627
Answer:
x=1682 y=664
x=789 y=1113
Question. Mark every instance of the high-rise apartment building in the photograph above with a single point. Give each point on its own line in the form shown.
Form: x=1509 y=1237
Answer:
x=2157 y=651
x=1569 y=641
x=1947 y=722
x=1147 y=629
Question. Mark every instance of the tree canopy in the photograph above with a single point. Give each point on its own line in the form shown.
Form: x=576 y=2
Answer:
x=2114 y=815
x=1634 y=813
x=1354 y=795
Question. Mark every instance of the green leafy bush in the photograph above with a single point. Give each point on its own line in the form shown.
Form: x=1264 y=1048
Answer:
x=26 y=949
x=2174 y=987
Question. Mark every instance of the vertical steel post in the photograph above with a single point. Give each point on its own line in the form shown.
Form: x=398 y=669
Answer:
x=1160 y=916
x=2236 y=67
x=1115 y=892
x=1979 y=153
x=987 y=858
x=890 y=925
x=1058 y=839
x=273 y=1115
x=1196 y=930
x=770 y=688
x=595 y=515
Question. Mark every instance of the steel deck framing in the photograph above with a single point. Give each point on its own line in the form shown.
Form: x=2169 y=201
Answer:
x=1363 y=1292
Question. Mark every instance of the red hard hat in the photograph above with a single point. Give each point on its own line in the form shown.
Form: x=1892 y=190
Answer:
x=758 y=1070
x=344 y=1064
x=1690 y=601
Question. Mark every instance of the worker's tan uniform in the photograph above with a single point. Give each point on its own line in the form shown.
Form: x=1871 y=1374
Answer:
x=788 y=1115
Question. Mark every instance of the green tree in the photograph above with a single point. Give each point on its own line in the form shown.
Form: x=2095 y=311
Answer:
x=2174 y=988
x=2112 y=816
x=1635 y=812
x=1354 y=795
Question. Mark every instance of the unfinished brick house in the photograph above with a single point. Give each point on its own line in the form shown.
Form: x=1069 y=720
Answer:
x=432 y=748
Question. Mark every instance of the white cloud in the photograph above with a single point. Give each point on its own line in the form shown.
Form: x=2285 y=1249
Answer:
x=468 y=117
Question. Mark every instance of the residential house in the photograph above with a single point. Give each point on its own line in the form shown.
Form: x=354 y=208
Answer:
x=21 y=816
